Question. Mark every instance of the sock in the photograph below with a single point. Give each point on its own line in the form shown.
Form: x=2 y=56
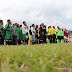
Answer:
x=48 y=41
x=58 y=41
x=62 y=41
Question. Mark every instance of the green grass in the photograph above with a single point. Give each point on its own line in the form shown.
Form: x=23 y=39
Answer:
x=36 y=58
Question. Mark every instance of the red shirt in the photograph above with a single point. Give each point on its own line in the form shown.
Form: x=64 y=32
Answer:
x=64 y=33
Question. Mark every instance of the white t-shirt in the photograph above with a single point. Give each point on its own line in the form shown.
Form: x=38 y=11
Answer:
x=24 y=30
x=33 y=29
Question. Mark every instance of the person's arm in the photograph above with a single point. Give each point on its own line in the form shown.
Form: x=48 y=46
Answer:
x=1 y=27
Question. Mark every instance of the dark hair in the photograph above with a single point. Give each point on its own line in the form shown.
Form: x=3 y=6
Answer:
x=23 y=21
x=8 y=20
x=20 y=25
x=32 y=24
x=1 y=21
x=36 y=25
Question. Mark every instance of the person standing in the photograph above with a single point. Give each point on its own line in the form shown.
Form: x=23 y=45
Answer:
x=30 y=36
x=48 y=38
x=50 y=34
x=36 y=29
x=18 y=34
x=62 y=37
x=21 y=35
x=65 y=36
x=14 y=34
x=58 y=34
x=9 y=30
x=44 y=33
x=1 y=38
x=54 y=34
x=2 y=30
x=33 y=34
x=24 y=31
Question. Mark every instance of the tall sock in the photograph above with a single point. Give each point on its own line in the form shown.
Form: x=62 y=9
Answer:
x=48 y=41
x=58 y=41
x=62 y=40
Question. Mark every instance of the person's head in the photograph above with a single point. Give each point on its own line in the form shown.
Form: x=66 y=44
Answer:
x=33 y=25
x=58 y=27
x=30 y=27
x=62 y=29
x=54 y=27
x=20 y=26
x=65 y=29
x=24 y=22
x=9 y=22
x=13 y=25
x=1 y=22
x=42 y=24
x=36 y=26
x=49 y=26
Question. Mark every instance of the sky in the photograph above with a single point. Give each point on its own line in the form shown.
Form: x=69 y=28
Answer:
x=49 y=12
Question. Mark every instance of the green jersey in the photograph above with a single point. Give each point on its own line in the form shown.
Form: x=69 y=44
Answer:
x=62 y=33
x=21 y=36
x=8 y=32
x=18 y=31
x=2 y=30
x=47 y=31
x=57 y=32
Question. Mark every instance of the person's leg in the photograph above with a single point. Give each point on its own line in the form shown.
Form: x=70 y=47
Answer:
x=62 y=39
x=53 y=38
x=50 y=39
x=58 y=39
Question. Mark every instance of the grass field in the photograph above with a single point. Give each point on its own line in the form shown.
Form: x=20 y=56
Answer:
x=36 y=58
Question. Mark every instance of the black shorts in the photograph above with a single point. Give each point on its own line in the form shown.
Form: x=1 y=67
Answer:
x=54 y=36
x=61 y=37
x=49 y=36
x=58 y=37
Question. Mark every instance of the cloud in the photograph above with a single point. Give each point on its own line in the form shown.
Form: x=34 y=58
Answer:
x=50 y=12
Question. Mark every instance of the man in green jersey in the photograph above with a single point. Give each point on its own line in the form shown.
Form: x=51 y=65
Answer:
x=48 y=38
x=58 y=34
x=2 y=30
x=21 y=35
x=18 y=33
x=62 y=37
x=9 y=30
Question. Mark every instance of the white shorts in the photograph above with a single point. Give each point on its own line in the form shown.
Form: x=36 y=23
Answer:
x=64 y=37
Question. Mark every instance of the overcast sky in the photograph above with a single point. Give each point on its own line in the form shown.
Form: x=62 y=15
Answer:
x=49 y=12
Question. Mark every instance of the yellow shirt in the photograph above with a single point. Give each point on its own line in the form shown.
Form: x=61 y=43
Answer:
x=53 y=31
x=38 y=33
x=50 y=31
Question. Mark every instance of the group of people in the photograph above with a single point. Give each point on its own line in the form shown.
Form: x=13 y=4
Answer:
x=15 y=34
